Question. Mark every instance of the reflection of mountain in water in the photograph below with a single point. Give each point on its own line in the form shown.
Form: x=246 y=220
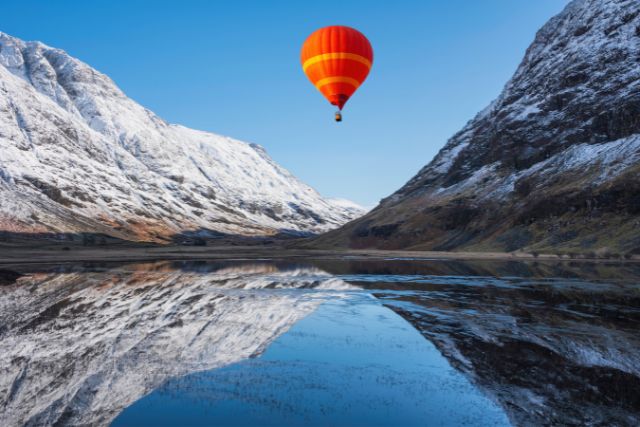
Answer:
x=78 y=345
x=77 y=348
x=551 y=352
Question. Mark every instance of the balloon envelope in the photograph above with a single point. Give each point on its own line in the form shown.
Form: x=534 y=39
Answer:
x=337 y=60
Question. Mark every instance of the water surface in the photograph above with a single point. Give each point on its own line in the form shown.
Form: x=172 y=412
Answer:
x=321 y=342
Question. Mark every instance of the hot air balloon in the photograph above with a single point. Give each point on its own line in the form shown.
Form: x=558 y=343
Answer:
x=337 y=60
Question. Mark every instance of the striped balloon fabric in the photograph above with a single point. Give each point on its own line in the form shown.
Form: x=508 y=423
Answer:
x=337 y=60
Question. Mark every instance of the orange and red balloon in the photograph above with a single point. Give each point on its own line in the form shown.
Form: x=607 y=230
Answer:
x=337 y=60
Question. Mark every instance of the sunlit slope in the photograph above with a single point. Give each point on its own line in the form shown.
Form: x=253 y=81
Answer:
x=76 y=154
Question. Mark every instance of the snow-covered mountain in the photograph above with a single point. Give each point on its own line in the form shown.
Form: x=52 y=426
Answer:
x=77 y=155
x=553 y=162
x=77 y=348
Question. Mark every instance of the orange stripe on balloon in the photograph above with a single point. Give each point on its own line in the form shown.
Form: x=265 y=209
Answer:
x=335 y=55
x=337 y=79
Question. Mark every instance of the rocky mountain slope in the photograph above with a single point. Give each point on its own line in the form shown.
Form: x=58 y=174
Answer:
x=552 y=163
x=77 y=155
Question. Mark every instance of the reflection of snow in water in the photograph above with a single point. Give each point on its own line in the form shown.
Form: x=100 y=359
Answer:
x=79 y=347
x=351 y=362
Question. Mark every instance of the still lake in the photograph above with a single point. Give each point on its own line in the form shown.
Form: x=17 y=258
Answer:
x=357 y=342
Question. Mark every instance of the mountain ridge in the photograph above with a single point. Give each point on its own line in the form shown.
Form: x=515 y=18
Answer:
x=79 y=156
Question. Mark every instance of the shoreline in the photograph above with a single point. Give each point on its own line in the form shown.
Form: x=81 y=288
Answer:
x=51 y=255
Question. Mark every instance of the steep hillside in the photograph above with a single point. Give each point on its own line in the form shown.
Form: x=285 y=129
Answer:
x=77 y=155
x=552 y=164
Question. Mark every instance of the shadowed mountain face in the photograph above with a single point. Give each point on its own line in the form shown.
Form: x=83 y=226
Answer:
x=77 y=348
x=552 y=162
x=78 y=155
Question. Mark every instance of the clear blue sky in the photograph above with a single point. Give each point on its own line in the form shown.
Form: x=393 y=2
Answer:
x=232 y=67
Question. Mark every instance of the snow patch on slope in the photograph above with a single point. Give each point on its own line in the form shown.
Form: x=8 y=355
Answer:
x=609 y=160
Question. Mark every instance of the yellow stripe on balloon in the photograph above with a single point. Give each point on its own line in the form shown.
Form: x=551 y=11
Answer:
x=335 y=55
x=337 y=79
